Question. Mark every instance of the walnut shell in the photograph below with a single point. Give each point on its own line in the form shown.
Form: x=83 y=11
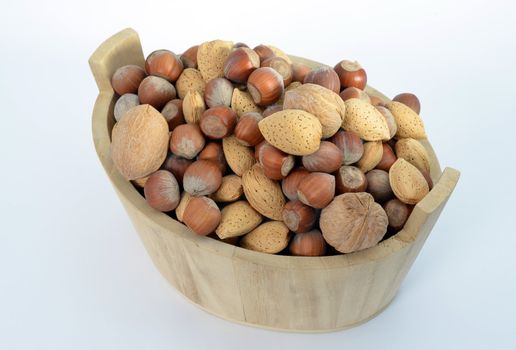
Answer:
x=353 y=222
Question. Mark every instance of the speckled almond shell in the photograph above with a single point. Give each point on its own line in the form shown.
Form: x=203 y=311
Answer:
x=193 y=107
x=413 y=152
x=190 y=79
x=407 y=182
x=409 y=122
x=210 y=58
x=183 y=203
x=270 y=237
x=139 y=142
x=230 y=189
x=263 y=194
x=242 y=102
x=365 y=120
x=293 y=131
x=238 y=219
x=239 y=157
x=323 y=103
x=280 y=53
x=373 y=152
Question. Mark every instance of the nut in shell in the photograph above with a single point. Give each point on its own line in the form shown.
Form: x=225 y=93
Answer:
x=373 y=152
x=413 y=152
x=270 y=237
x=239 y=157
x=190 y=79
x=365 y=120
x=211 y=57
x=407 y=182
x=238 y=219
x=193 y=107
x=230 y=189
x=409 y=122
x=242 y=102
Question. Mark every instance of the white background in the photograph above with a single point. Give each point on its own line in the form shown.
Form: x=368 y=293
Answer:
x=73 y=273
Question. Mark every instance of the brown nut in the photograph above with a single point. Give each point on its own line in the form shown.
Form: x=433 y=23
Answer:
x=407 y=182
x=317 y=190
x=350 y=145
x=202 y=178
x=125 y=103
x=242 y=102
x=156 y=92
x=270 y=237
x=213 y=151
x=239 y=157
x=409 y=100
x=378 y=185
x=264 y=52
x=218 y=122
x=240 y=63
x=189 y=57
x=265 y=86
x=327 y=158
x=126 y=79
x=193 y=107
x=290 y=184
x=353 y=222
x=202 y=215
x=350 y=179
x=263 y=194
x=397 y=213
x=388 y=158
x=351 y=74
x=373 y=152
x=187 y=141
x=298 y=217
x=389 y=118
x=324 y=76
x=238 y=219
x=299 y=71
x=177 y=166
x=413 y=152
x=281 y=66
x=218 y=92
x=247 y=131
x=173 y=113
x=230 y=189
x=271 y=110
x=162 y=191
x=308 y=244
x=164 y=64
x=276 y=164
x=190 y=79
x=353 y=92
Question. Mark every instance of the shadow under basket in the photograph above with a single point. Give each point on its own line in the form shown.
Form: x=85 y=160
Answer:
x=307 y=294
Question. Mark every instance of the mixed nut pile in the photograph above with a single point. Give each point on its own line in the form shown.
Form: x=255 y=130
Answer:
x=253 y=149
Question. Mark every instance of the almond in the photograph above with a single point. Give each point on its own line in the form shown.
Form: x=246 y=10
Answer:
x=193 y=107
x=190 y=79
x=242 y=102
x=279 y=53
x=365 y=120
x=270 y=237
x=407 y=182
x=239 y=158
x=210 y=58
x=293 y=131
x=230 y=189
x=263 y=194
x=238 y=219
x=409 y=122
x=372 y=156
x=323 y=103
x=139 y=142
x=413 y=152
x=183 y=203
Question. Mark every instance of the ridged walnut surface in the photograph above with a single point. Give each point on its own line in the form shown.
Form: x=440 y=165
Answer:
x=280 y=292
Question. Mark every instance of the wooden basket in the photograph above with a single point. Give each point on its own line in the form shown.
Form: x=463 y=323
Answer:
x=278 y=292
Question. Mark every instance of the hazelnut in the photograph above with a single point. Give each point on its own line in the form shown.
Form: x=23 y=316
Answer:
x=353 y=92
x=351 y=74
x=327 y=158
x=409 y=100
x=281 y=66
x=299 y=71
x=183 y=203
x=189 y=57
x=164 y=64
x=247 y=131
x=187 y=141
x=298 y=217
x=193 y=107
x=290 y=184
x=214 y=152
x=265 y=86
x=308 y=244
x=389 y=118
x=173 y=113
x=162 y=191
x=264 y=52
x=388 y=158
x=397 y=213
x=271 y=110
x=202 y=178
x=276 y=163
x=156 y=92
x=350 y=179
x=324 y=76
x=378 y=185
x=125 y=103
x=239 y=44
x=316 y=189
x=202 y=215
x=177 y=166
x=350 y=145
x=126 y=79
x=218 y=122
x=240 y=64
x=218 y=92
